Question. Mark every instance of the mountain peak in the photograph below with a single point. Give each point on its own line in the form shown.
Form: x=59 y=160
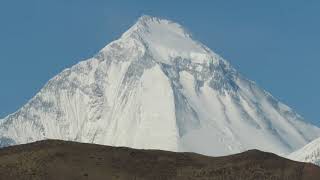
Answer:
x=148 y=23
x=147 y=18
x=167 y=40
x=158 y=88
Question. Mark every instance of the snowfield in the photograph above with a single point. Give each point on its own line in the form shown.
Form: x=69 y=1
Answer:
x=309 y=153
x=158 y=88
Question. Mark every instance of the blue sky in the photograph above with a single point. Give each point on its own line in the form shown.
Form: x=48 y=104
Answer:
x=274 y=42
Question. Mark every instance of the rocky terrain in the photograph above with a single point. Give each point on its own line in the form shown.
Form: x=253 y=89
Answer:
x=58 y=160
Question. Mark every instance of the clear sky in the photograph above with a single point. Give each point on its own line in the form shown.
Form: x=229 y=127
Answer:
x=274 y=42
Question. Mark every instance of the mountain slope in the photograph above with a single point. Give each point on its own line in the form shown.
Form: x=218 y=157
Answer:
x=309 y=153
x=70 y=160
x=157 y=88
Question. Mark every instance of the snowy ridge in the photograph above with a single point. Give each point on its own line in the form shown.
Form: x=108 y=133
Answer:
x=157 y=88
x=309 y=153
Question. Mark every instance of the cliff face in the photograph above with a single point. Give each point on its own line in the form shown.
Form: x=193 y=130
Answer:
x=54 y=159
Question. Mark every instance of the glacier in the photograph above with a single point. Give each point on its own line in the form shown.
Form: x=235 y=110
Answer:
x=158 y=88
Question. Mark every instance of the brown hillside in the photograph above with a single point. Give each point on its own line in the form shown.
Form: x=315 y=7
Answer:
x=58 y=160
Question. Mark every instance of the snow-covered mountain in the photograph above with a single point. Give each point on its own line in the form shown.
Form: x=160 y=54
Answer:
x=308 y=153
x=158 y=88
